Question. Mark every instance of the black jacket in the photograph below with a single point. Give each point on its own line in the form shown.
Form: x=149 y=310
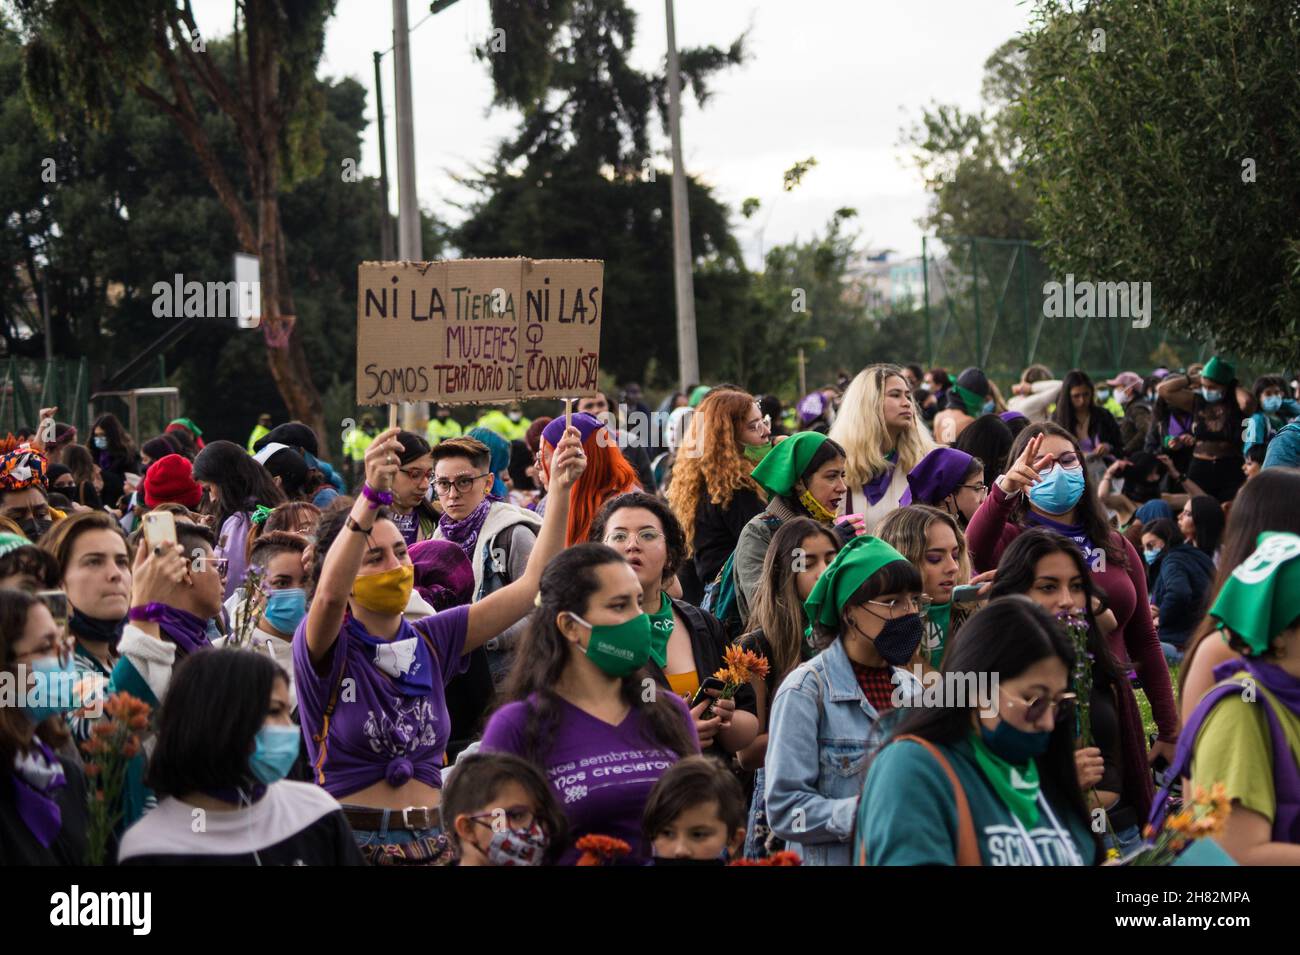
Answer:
x=1183 y=574
x=17 y=844
x=717 y=529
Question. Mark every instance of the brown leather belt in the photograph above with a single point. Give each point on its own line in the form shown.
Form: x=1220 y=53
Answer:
x=414 y=818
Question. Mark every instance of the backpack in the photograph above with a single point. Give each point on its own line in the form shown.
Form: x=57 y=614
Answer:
x=720 y=595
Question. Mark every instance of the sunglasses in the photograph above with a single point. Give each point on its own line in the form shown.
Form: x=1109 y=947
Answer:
x=1039 y=706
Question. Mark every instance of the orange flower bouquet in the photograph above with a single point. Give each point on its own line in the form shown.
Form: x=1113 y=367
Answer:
x=1205 y=817
x=741 y=666
x=601 y=850
x=114 y=742
x=783 y=858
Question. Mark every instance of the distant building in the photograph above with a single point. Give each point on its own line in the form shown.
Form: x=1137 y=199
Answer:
x=883 y=281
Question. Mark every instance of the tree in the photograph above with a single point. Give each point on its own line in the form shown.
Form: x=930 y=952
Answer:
x=81 y=55
x=1166 y=141
x=579 y=178
x=972 y=162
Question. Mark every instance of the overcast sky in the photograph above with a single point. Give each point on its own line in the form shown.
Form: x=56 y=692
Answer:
x=834 y=79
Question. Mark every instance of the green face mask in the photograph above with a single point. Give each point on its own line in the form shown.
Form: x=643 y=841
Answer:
x=756 y=452
x=620 y=649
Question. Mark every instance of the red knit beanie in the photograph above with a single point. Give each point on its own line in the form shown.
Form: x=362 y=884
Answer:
x=170 y=479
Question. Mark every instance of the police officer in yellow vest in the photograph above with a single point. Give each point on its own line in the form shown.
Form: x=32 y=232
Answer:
x=442 y=425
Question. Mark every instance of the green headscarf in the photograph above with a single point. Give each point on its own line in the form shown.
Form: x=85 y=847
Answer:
x=786 y=462
x=697 y=395
x=11 y=542
x=1219 y=371
x=856 y=561
x=186 y=422
x=973 y=403
x=1262 y=597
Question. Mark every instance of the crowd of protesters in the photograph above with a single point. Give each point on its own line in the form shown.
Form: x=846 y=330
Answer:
x=909 y=621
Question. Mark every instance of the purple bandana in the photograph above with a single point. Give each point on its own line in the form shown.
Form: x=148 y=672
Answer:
x=188 y=632
x=443 y=575
x=37 y=775
x=875 y=488
x=464 y=532
x=405 y=658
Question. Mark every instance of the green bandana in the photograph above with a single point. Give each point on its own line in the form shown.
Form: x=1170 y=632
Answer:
x=756 y=452
x=11 y=542
x=1218 y=371
x=1262 y=597
x=787 y=461
x=974 y=403
x=698 y=395
x=941 y=617
x=856 y=561
x=661 y=628
x=1017 y=787
x=186 y=422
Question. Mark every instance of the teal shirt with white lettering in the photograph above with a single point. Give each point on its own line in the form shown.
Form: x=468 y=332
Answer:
x=908 y=816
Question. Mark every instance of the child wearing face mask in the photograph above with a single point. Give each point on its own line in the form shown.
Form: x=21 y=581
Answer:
x=835 y=709
x=499 y=810
x=695 y=815
x=225 y=744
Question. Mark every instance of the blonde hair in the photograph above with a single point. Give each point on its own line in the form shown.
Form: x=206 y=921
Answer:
x=860 y=428
x=711 y=462
x=907 y=528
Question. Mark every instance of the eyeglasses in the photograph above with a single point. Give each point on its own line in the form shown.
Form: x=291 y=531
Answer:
x=1069 y=460
x=219 y=564
x=60 y=646
x=646 y=535
x=516 y=817
x=418 y=475
x=442 y=487
x=919 y=603
x=1039 y=706
x=979 y=487
x=760 y=425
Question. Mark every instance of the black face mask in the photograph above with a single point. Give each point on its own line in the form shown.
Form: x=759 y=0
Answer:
x=34 y=527
x=899 y=638
x=94 y=630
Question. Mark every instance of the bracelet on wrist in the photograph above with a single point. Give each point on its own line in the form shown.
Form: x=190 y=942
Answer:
x=150 y=613
x=352 y=525
x=375 y=498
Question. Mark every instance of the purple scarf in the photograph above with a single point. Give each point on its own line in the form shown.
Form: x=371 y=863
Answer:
x=875 y=488
x=188 y=632
x=417 y=678
x=37 y=775
x=1093 y=555
x=464 y=533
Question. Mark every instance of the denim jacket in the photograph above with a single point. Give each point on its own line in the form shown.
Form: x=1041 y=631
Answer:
x=821 y=735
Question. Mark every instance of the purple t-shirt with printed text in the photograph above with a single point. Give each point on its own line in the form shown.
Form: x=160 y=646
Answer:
x=376 y=732
x=601 y=774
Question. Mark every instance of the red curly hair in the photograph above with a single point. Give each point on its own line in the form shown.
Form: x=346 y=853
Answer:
x=608 y=474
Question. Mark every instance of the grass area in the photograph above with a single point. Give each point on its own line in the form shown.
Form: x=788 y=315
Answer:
x=1144 y=705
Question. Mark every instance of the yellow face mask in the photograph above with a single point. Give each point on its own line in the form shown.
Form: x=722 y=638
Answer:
x=815 y=509
x=386 y=592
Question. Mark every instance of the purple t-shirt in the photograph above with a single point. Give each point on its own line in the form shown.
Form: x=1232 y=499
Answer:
x=601 y=774
x=376 y=732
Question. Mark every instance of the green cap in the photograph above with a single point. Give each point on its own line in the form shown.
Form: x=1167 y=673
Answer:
x=1262 y=597
x=856 y=561
x=11 y=542
x=788 y=459
x=698 y=395
x=1219 y=371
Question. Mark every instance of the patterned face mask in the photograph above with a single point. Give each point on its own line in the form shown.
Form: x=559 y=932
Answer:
x=517 y=846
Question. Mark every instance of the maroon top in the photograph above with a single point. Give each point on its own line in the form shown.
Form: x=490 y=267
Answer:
x=1133 y=642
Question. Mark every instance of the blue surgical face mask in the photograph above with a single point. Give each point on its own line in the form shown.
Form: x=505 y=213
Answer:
x=1271 y=403
x=1211 y=395
x=277 y=748
x=988 y=407
x=100 y=441
x=52 y=694
x=1103 y=394
x=1059 y=491
x=1150 y=555
x=286 y=608
x=1016 y=746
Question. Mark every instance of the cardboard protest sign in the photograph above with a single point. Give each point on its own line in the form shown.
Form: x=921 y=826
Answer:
x=478 y=330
